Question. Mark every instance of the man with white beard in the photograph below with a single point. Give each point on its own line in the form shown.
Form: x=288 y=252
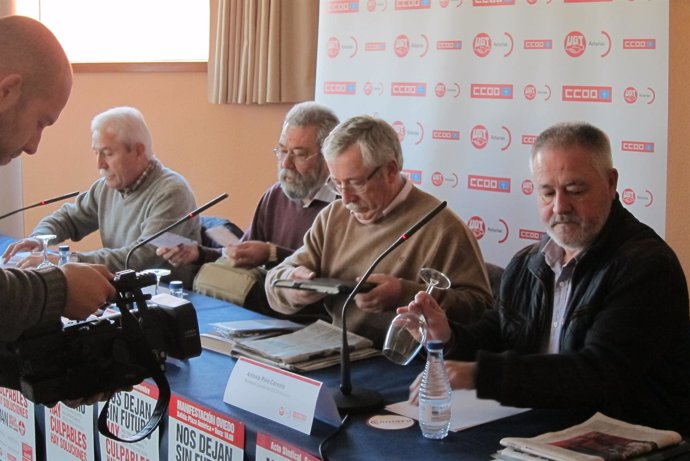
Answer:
x=285 y=211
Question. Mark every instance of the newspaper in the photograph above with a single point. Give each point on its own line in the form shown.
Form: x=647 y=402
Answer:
x=600 y=438
x=311 y=348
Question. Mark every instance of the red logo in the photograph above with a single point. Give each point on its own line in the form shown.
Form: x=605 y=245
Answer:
x=477 y=226
x=414 y=176
x=493 y=2
x=527 y=187
x=481 y=45
x=408 y=89
x=528 y=139
x=371 y=5
x=368 y=88
x=489 y=91
x=440 y=89
x=630 y=95
x=637 y=146
x=577 y=93
x=530 y=92
x=449 y=45
x=347 y=88
x=412 y=4
x=539 y=44
x=333 y=47
x=399 y=128
x=343 y=6
x=488 y=183
x=401 y=46
x=639 y=43
x=628 y=196
x=375 y=46
x=445 y=135
x=479 y=136
x=437 y=178
x=527 y=234
x=575 y=44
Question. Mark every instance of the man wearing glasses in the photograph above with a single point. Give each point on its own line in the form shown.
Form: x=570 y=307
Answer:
x=285 y=211
x=364 y=158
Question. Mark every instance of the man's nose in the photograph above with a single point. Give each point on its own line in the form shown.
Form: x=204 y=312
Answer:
x=561 y=203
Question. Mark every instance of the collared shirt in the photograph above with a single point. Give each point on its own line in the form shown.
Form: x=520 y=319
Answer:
x=562 y=284
x=325 y=194
x=398 y=199
x=142 y=177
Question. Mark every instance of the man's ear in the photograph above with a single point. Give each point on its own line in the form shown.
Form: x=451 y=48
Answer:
x=10 y=90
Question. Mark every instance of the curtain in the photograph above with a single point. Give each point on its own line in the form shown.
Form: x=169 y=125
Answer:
x=262 y=51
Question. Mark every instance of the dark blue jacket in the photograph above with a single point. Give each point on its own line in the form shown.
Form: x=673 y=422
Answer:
x=625 y=343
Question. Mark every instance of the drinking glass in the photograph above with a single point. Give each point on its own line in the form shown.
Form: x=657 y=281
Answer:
x=45 y=239
x=407 y=332
x=159 y=273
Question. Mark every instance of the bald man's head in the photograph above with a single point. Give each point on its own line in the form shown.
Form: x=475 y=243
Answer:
x=35 y=83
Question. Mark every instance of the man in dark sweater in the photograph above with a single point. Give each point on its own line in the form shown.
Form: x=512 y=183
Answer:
x=286 y=210
x=592 y=318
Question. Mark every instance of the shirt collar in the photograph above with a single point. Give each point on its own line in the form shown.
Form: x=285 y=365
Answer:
x=398 y=199
x=324 y=194
x=142 y=177
x=554 y=253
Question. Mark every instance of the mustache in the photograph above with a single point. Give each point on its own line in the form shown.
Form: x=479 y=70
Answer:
x=564 y=219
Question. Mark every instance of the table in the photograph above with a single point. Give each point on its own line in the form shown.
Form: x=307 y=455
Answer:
x=203 y=380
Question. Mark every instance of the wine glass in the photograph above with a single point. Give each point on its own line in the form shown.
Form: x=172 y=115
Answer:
x=407 y=332
x=159 y=273
x=45 y=239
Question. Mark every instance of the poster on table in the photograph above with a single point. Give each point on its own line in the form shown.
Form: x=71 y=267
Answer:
x=270 y=448
x=17 y=426
x=70 y=433
x=197 y=433
x=469 y=84
x=128 y=413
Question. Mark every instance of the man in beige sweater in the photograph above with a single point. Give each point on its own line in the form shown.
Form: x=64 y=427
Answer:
x=378 y=205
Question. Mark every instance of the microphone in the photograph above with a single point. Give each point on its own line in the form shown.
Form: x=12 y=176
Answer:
x=41 y=203
x=186 y=217
x=364 y=400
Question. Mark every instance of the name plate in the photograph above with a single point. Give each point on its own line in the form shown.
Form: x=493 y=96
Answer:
x=281 y=396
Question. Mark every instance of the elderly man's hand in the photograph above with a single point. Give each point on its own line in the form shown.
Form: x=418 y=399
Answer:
x=27 y=244
x=249 y=254
x=179 y=255
x=383 y=297
x=302 y=297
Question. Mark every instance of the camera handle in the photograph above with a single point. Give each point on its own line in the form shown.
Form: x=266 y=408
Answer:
x=132 y=332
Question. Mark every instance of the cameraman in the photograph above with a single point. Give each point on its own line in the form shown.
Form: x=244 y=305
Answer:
x=35 y=83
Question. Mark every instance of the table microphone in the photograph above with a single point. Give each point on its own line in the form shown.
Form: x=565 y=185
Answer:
x=185 y=218
x=41 y=203
x=363 y=400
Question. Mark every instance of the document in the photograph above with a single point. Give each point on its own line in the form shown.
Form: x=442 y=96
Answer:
x=466 y=410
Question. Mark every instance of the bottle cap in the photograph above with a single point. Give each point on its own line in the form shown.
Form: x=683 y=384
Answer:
x=175 y=285
x=434 y=345
x=63 y=248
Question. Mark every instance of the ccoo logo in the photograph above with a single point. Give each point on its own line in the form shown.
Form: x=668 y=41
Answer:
x=575 y=44
x=488 y=183
x=481 y=45
x=578 y=93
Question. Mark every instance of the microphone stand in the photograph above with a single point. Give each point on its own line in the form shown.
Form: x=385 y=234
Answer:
x=186 y=217
x=41 y=203
x=360 y=400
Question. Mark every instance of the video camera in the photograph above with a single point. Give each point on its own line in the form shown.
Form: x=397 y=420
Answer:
x=108 y=354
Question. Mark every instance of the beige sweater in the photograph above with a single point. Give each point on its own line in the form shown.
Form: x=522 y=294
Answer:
x=339 y=246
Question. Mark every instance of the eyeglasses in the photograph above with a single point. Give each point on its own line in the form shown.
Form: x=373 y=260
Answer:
x=297 y=156
x=355 y=186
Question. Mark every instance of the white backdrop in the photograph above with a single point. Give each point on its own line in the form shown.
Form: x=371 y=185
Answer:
x=468 y=84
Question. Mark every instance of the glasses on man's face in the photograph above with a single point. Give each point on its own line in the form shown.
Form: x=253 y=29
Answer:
x=298 y=156
x=353 y=186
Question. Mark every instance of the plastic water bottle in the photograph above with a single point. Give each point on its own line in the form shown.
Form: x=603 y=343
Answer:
x=63 y=251
x=434 y=394
x=176 y=289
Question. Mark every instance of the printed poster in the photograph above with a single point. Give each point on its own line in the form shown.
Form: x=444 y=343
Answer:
x=17 y=427
x=70 y=433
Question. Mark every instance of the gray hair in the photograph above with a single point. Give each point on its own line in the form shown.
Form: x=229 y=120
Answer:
x=377 y=140
x=311 y=113
x=576 y=134
x=127 y=125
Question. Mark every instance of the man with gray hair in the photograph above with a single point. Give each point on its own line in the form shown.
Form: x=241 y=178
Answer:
x=284 y=213
x=592 y=318
x=378 y=205
x=135 y=197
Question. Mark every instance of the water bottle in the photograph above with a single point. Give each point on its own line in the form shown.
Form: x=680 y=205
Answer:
x=64 y=255
x=176 y=289
x=434 y=394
